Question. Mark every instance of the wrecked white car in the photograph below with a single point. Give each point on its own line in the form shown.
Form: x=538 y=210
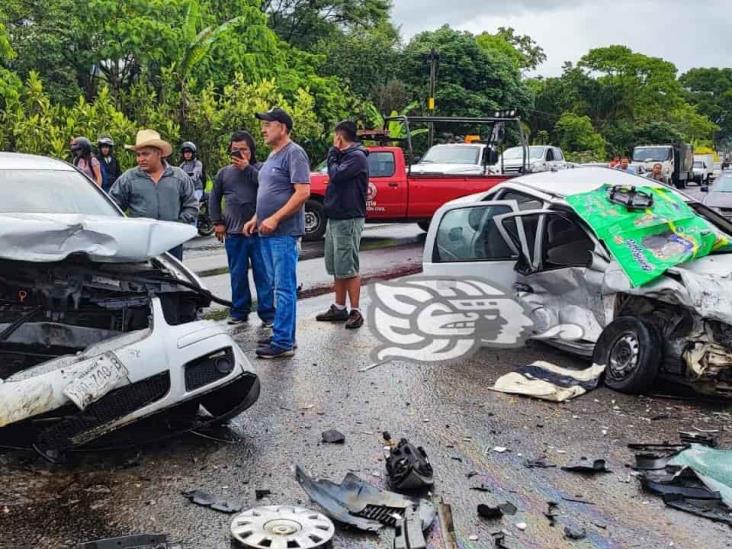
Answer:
x=524 y=235
x=99 y=327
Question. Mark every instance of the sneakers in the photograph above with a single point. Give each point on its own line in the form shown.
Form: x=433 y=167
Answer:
x=355 y=320
x=267 y=323
x=334 y=314
x=268 y=340
x=233 y=321
x=270 y=351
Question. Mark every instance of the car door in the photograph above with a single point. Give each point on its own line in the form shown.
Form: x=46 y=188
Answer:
x=387 y=192
x=464 y=240
x=560 y=273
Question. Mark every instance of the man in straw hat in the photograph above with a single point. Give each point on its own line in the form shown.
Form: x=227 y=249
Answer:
x=155 y=189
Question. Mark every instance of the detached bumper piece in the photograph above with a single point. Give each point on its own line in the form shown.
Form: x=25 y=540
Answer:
x=358 y=503
x=89 y=423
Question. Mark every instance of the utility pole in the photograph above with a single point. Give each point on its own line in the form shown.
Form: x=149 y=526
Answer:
x=434 y=60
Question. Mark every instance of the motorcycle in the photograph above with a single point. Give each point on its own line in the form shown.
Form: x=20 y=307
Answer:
x=204 y=225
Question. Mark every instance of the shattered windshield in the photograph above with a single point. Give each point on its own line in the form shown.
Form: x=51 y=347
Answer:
x=449 y=154
x=51 y=191
x=517 y=153
x=651 y=154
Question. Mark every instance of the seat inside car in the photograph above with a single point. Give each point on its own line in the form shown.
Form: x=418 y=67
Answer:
x=567 y=244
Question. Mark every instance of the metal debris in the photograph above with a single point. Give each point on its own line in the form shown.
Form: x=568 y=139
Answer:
x=204 y=499
x=282 y=526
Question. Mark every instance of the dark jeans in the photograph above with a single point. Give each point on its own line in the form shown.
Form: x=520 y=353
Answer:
x=177 y=252
x=240 y=250
x=280 y=260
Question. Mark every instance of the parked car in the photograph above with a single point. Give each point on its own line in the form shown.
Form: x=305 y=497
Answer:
x=719 y=195
x=452 y=158
x=541 y=158
x=702 y=169
x=522 y=234
x=99 y=326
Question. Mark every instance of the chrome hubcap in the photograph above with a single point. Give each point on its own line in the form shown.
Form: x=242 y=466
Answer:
x=624 y=356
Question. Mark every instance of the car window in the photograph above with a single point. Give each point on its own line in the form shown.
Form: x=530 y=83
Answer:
x=381 y=164
x=452 y=154
x=558 y=154
x=549 y=155
x=525 y=201
x=565 y=243
x=471 y=234
x=51 y=191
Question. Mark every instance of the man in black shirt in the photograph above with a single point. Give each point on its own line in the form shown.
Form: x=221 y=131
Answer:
x=345 y=207
x=237 y=184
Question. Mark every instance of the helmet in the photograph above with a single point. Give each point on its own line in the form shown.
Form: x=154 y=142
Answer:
x=188 y=146
x=81 y=146
x=105 y=141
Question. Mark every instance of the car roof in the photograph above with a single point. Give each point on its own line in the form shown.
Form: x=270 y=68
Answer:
x=20 y=161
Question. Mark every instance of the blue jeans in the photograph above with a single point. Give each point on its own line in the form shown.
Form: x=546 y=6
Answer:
x=240 y=250
x=280 y=260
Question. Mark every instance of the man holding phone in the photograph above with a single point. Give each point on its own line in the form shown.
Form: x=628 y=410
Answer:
x=237 y=184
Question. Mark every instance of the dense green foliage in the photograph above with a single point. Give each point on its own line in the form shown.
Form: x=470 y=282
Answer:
x=199 y=69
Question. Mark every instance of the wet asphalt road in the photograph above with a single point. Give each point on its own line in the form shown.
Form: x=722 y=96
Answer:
x=448 y=409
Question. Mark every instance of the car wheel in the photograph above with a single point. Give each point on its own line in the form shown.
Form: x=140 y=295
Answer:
x=631 y=350
x=315 y=220
x=424 y=225
x=231 y=400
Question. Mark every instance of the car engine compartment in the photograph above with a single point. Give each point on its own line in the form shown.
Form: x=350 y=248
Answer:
x=53 y=309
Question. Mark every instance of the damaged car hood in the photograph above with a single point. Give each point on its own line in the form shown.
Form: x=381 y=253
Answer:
x=53 y=237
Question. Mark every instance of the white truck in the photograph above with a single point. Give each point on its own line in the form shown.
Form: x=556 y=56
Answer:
x=452 y=158
x=703 y=168
x=676 y=161
x=541 y=158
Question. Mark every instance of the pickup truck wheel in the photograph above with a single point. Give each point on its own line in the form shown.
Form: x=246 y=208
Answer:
x=631 y=350
x=315 y=220
x=424 y=225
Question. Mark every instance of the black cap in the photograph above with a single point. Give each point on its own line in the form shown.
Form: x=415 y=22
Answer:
x=275 y=114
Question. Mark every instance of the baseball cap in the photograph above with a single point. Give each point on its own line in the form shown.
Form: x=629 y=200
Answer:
x=275 y=114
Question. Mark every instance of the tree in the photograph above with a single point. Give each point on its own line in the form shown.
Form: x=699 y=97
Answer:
x=577 y=137
x=710 y=91
x=470 y=81
x=521 y=49
x=305 y=22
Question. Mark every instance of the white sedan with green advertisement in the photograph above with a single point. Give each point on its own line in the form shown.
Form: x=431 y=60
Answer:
x=643 y=269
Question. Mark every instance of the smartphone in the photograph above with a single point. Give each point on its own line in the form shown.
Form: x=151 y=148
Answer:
x=237 y=154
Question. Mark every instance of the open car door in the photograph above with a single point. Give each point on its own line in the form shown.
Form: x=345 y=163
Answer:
x=464 y=240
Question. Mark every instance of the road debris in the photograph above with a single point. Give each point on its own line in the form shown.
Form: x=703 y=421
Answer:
x=137 y=541
x=538 y=463
x=575 y=532
x=408 y=467
x=283 y=526
x=551 y=512
x=204 y=499
x=333 y=437
x=521 y=526
x=374 y=365
x=548 y=381
x=260 y=494
x=587 y=466
x=358 y=503
x=447 y=526
x=496 y=511
x=499 y=539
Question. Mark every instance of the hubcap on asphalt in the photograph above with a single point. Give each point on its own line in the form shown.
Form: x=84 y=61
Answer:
x=624 y=356
x=282 y=527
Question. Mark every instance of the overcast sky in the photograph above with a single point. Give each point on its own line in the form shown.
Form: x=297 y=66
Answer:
x=689 y=33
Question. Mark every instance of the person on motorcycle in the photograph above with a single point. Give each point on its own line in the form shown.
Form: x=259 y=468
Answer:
x=108 y=163
x=84 y=160
x=193 y=167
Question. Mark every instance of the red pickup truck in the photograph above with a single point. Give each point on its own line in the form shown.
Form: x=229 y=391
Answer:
x=394 y=195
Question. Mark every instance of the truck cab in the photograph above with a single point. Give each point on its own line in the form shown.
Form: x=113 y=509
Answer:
x=459 y=158
x=676 y=161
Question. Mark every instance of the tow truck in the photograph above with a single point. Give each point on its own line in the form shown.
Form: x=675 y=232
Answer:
x=396 y=194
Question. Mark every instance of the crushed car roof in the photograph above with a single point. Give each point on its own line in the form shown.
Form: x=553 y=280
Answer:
x=19 y=161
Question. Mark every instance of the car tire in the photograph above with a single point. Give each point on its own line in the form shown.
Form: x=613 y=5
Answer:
x=315 y=220
x=631 y=350
x=424 y=225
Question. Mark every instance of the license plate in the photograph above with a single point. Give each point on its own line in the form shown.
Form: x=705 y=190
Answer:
x=96 y=381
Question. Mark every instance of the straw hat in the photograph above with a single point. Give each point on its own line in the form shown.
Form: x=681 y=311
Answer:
x=150 y=138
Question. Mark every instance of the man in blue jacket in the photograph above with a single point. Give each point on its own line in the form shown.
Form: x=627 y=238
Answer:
x=345 y=207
